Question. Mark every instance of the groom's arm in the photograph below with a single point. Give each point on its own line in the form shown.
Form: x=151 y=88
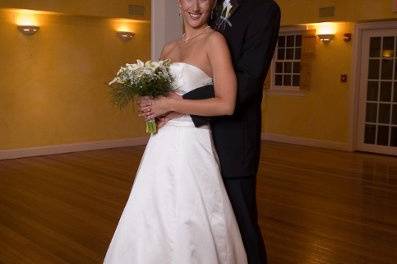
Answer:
x=204 y=92
x=257 y=53
x=256 y=56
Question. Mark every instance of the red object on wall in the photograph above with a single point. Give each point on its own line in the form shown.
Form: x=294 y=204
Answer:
x=343 y=78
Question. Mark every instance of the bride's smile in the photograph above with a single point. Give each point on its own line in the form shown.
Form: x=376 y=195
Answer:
x=196 y=13
x=195 y=16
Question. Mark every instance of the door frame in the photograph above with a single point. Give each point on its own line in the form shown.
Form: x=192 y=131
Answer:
x=354 y=94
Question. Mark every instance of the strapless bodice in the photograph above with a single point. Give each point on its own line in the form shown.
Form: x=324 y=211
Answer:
x=187 y=77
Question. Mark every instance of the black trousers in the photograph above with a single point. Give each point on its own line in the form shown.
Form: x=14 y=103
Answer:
x=242 y=195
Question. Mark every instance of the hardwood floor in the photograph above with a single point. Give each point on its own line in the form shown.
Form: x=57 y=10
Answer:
x=316 y=206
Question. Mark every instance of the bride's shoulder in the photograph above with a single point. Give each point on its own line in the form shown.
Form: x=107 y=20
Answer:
x=216 y=39
x=216 y=36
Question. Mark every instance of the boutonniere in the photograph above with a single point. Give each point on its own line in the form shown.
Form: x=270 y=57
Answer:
x=227 y=7
x=226 y=12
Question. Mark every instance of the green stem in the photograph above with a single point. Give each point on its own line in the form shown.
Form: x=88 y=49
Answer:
x=151 y=127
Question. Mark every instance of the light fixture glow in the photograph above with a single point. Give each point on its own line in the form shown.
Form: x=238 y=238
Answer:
x=388 y=53
x=123 y=28
x=326 y=28
x=27 y=18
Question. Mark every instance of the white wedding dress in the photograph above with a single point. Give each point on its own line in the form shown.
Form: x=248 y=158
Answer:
x=178 y=211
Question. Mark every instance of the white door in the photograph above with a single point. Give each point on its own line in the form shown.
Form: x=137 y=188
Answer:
x=377 y=122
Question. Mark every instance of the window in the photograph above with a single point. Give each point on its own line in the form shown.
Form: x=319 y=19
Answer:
x=286 y=73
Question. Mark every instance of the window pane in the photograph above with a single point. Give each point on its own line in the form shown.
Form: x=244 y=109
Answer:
x=387 y=69
x=372 y=111
x=384 y=114
x=395 y=68
x=395 y=92
x=370 y=132
x=383 y=135
x=296 y=80
x=297 y=67
x=281 y=41
x=279 y=67
x=375 y=47
x=394 y=115
x=372 y=92
x=298 y=40
x=298 y=54
x=281 y=54
x=385 y=91
x=287 y=80
x=388 y=47
x=393 y=141
x=279 y=80
x=290 y=54
x=388 y=43
x=287 y=67
x=290 y=41
x=373 y=70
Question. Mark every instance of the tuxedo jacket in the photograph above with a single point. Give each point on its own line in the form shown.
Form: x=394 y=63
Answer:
x=251 y=32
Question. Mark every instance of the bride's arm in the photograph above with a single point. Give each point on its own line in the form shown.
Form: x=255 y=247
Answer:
x=224 y=82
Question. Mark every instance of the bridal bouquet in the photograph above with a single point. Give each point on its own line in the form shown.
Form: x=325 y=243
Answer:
x=142 y=79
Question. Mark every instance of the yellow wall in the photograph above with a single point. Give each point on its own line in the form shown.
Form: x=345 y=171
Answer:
x=306 y=11
x=53 y=84
x=102 y=8
x=323 y=113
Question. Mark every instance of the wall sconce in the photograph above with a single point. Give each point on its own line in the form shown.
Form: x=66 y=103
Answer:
x=326 y=31
x=28 y=29
x=326 y=38
x=125 y=35
x=347 y=37
x=27 y=21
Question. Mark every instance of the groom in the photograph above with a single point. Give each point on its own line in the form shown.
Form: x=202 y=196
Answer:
x=251 y=29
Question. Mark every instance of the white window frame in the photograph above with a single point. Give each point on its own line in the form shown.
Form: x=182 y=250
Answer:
x=285 y=90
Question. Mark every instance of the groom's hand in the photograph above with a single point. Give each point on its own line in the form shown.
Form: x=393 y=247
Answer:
x=163 y=120
x=175 y=96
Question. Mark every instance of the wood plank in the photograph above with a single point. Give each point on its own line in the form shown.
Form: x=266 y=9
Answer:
x=316 y=206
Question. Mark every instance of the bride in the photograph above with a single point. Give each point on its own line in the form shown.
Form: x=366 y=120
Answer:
x=178 y=211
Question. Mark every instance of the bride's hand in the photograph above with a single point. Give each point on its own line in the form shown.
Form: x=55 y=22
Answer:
x=161 y=106
x=142 y=105
x=156 y=107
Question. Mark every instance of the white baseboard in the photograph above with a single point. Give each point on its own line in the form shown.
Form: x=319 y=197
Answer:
x=66 y=148
x=128 y=142
x=328 y=144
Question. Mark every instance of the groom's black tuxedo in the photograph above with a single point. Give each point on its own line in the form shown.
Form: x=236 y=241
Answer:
x=251 y=39
x=251 y=32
